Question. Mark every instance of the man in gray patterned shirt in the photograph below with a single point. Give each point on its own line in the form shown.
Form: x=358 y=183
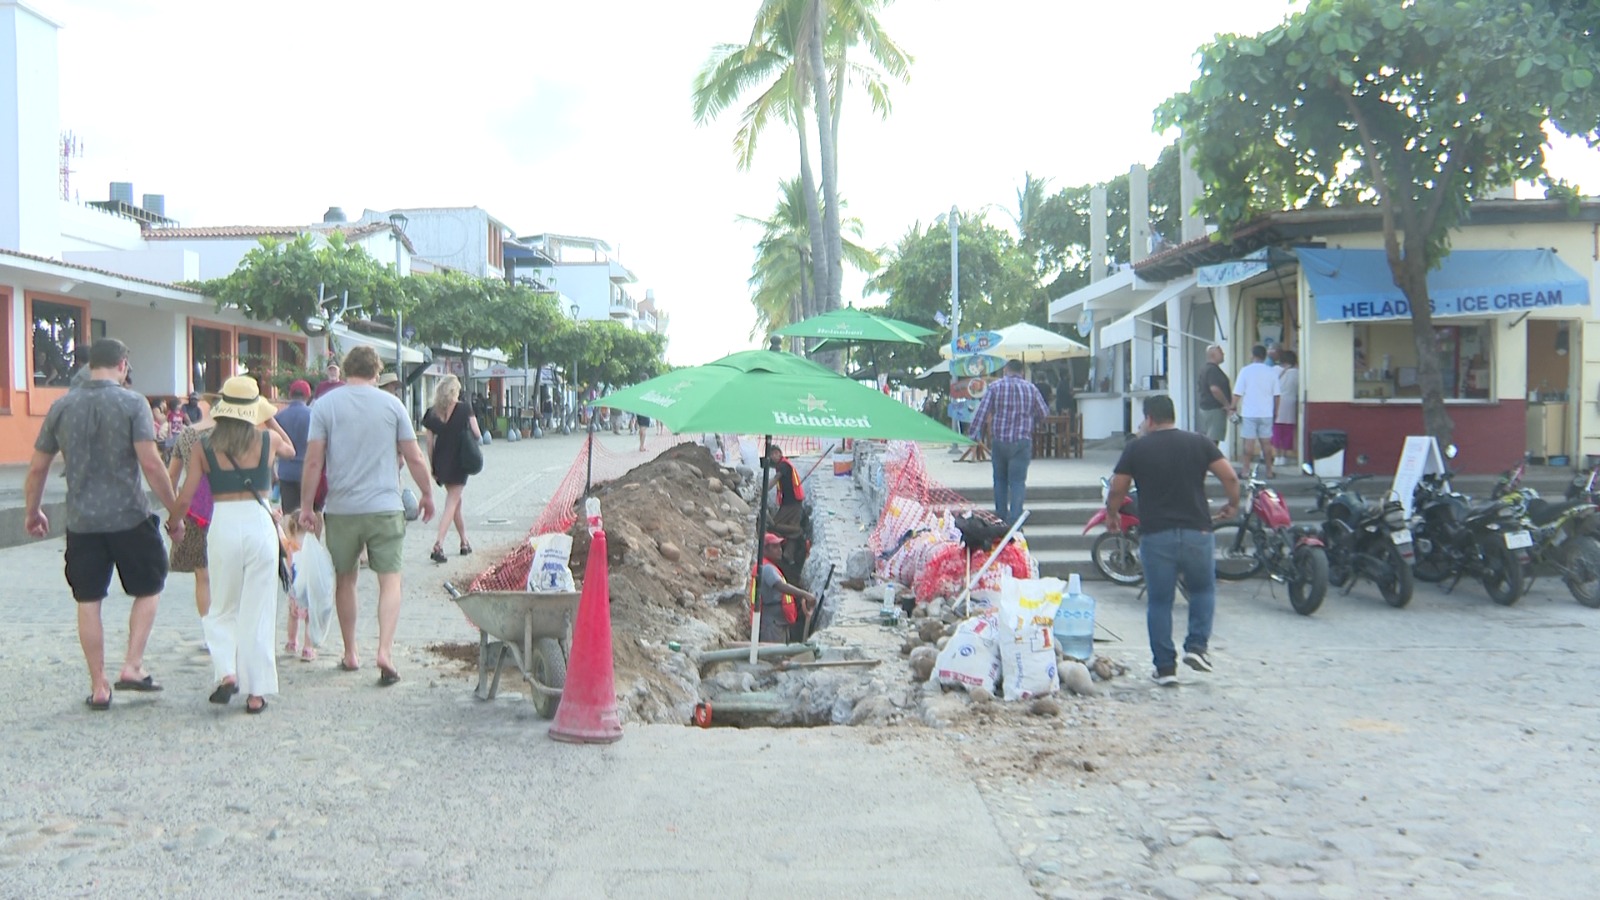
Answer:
x=107 y=437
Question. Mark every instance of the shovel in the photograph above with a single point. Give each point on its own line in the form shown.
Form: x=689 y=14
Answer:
x=805 y=634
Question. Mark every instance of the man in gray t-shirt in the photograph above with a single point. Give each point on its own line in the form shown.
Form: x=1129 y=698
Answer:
x=355 y=433
x=106 y=433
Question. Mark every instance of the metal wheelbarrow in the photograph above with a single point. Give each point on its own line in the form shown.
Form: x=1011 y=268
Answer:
x=535 y=629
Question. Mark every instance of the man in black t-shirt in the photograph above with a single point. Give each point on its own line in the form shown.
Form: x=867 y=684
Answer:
x=1216 y=397
x=1169 y=466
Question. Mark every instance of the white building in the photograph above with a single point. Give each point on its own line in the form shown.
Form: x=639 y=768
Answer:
x=583 y=271
x=465 y=238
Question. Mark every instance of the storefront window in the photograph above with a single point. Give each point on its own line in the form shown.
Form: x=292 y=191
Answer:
x=57 y=336
x=1386 y=361
x=208 y=355
x=254 y=358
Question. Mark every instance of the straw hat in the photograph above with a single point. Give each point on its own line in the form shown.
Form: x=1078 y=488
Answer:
x=241 y=399
x=387 y=379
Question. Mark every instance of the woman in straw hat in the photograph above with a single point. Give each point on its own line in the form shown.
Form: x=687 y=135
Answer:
x=242 y=544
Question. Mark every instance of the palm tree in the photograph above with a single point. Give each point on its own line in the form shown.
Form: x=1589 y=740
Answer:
x=784 y=47
x=783 y=254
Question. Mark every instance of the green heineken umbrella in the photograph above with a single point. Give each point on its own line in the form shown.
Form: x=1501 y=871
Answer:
x=772 y=393
x=853 y=326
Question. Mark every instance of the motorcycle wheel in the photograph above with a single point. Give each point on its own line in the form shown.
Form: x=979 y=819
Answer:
x=1397 y=588
x=1583 y=570
x=1502 y=571
x=1236 y=554
x=1116 y=555
x=1309 y=584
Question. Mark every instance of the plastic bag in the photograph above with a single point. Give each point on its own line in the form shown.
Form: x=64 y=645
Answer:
x=313 y=587
x=971 y=658
x=549 y=570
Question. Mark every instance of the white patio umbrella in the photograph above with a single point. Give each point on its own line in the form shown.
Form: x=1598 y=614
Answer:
x=1030 y=343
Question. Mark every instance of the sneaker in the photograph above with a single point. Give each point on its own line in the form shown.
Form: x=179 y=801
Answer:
x=1197 y=660
x=1167 y=677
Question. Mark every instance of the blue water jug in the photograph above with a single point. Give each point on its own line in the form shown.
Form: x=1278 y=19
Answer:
x=1074 y=625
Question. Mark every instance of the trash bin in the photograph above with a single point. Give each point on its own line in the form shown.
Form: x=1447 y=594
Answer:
x=1327 y=452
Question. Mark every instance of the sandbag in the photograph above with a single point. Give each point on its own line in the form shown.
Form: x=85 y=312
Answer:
x=549 y=570
x=313 y=587
x=970 y=659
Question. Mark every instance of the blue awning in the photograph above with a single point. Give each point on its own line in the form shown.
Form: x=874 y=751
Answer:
x=1357 y=285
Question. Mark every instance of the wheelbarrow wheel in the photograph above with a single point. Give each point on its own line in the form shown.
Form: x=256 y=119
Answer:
x=549 y=665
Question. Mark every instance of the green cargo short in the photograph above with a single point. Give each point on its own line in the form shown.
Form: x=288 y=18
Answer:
x=382 y=535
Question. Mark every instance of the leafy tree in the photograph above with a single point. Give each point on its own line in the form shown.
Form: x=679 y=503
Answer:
x=1418 y=107
x=998 y=284
x=282 y=280
x=779 y=278
x=800 y=49
x=612 y=353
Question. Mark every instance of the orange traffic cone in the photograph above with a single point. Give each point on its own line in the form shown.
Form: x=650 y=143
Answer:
x=588 y=710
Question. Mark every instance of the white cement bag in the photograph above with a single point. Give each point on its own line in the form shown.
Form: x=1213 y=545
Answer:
x=970 y=659
x=313 y=587
x=1028 y=663
x=1027 y=647
x=549 y=571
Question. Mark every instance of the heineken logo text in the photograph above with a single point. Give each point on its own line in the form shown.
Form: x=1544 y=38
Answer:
x=657 y=399
x=823 y=421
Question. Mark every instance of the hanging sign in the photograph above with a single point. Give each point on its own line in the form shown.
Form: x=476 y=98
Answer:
x=978 y=342
x=976 y=364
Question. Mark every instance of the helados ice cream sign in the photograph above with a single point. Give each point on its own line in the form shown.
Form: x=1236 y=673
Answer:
x=1358 y=285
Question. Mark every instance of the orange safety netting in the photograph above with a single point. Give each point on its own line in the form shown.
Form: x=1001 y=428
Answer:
x=913 y=499
x=511 y=572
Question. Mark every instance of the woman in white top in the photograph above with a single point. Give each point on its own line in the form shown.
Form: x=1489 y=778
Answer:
x=1286 y=423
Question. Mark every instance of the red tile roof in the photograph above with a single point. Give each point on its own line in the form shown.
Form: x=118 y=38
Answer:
x=352 y=232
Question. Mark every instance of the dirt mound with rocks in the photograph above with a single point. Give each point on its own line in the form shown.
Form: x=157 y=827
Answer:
x=679 y=537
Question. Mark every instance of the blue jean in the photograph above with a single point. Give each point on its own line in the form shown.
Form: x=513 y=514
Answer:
x=1009 y=460
x=1166 y=556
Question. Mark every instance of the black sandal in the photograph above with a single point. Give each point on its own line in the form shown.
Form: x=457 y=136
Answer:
x=224 y=692
x=438 y=554
x=255 y=710
x=466 y=549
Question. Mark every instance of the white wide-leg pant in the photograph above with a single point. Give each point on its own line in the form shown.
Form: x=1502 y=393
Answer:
x=242 y=549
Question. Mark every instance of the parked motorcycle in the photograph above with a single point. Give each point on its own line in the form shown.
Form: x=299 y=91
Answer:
x=1365 y=539
x=1455 y=538
x=1265 y=538
x=1566 y=535
x=1116 y=553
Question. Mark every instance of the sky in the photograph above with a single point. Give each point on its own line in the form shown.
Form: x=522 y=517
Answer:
x=576 y=118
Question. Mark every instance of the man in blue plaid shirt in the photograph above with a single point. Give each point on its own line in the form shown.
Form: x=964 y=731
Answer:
x=1007 y=414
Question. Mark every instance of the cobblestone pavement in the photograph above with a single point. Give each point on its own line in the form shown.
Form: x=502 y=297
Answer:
x=1443 y=750
x=1448 y=749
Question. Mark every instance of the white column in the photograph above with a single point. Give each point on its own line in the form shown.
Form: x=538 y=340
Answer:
x=30 y=132
x=1138 y=213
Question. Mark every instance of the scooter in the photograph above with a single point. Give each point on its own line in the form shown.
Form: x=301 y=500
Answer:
x=1116 y=553
x=1266 y=539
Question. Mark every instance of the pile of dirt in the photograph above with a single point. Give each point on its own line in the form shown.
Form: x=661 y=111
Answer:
x=679 y=538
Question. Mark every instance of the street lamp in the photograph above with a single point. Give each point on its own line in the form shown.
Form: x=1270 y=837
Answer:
x=398 y=221
x=955 y=310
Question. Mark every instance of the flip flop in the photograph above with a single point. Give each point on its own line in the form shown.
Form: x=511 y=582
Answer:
x=387 y=676
x=255 y=710
x=145 y=685
x=98 y=705
x=224 y=692
x=346 y=667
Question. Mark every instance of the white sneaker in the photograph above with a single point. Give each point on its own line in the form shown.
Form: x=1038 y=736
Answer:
x=1166 y=677
x=1197 y=660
